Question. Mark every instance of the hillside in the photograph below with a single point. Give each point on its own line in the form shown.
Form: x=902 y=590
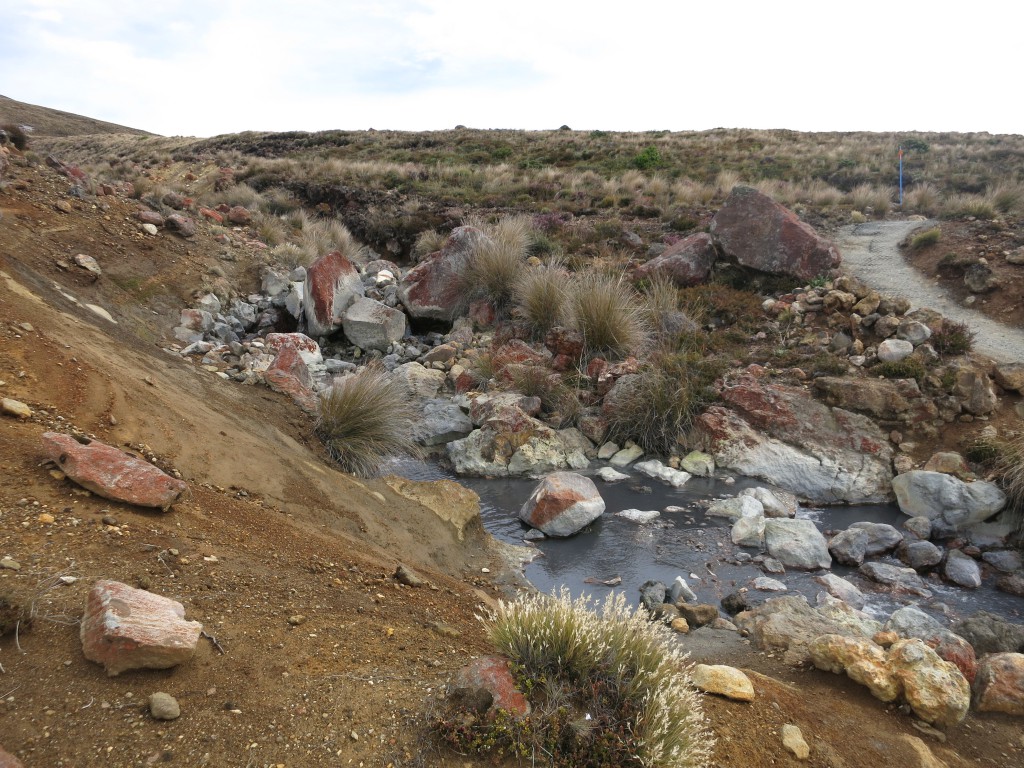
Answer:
x=54 y=122
x=317 y=655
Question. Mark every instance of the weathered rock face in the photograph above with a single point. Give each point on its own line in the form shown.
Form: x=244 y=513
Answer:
x=562 y=504
x=491 y=673
x=371 y=325
x=111 y=473
x=775 y=503
x=989 y=633
x=911 y=622
x=999 y=685
x=125 y=628
x=442 y=422
x=332 y=284
x=685 y=263
x=974 y=388
x=1010 y=376
x=886 y=399
x=943 y=497
x=782 y=435
x=755 y=231
x=863 y=662
x=430 y=290
x=796 y=544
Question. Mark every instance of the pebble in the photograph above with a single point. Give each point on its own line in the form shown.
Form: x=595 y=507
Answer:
x=296 y=620
x=10 y=564
x=163 y=706
x=15 y=408
x=793 y=740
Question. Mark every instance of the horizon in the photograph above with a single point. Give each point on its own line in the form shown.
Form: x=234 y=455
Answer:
x=182 y=69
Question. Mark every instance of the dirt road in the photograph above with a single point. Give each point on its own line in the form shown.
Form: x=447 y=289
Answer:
x=871 y=252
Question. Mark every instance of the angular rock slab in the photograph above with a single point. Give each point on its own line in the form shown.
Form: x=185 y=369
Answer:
x=126 y=628
x=112 y=473
x=999 y=684
x=940 y=496
x=431 y=289
x=370 y=324
x=562 y=504
x=796 y=543
x=332 y=284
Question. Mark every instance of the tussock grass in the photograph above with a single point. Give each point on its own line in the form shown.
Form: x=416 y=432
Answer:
x=541 y=297
x=924 y=239
x=924 y=199
x=1010 y=465
x=366 y=418
x=967 y=205
x=428 y=241
x=497 y=264
x=621 y=684
x=608 y=313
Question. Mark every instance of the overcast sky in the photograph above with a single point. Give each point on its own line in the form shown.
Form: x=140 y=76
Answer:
x=180 y=67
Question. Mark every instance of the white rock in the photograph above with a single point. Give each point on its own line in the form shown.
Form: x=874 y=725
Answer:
x=638 y=515
x=626 y=456
x=741 y=506
x=610 y=475
x=654 y=468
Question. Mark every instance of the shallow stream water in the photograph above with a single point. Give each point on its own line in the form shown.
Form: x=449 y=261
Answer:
x=689 y=543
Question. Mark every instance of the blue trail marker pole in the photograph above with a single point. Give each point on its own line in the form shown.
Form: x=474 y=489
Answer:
x=901 y=177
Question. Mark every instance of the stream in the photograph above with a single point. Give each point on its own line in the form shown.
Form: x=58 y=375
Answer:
x=684 y=541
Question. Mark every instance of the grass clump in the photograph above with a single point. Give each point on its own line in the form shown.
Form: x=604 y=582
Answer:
x=607 y=686
x=924 y=239
x=494 y=269
x=1010 y=465
x=609 y=315
x=365 y=418
x=907 y=368
x=541 y=297
x=953 y=338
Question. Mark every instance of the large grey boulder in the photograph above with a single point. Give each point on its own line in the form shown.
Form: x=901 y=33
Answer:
x=900 y=579
x=562 y=504
x=849 y=547
x=796 y=544
x=442 y=422
x=371 y=325
x=776 y=503
x=920 y=555
x=939 y=496
x=962 y=570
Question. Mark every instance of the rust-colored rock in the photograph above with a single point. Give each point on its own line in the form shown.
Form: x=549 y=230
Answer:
x=111 y=473
x=290 y=375
x=492 y=674
x=332 y=284
x=431 y=290
x=562 y=504
x=239 y=215
x=685 y=263
x=150 y=217
x=7 y=760
x=126 y=628
x=755 y=231
x=999 y=684
x=181 y=224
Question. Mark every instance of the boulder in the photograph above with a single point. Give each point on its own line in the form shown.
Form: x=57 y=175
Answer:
x=862 y=660
x=920 y=555
x=698 y=464
x=1005 y=560
x=431 y=289
x=181 y=225
x=841 y=589
x=881 y=537
x=975 y=390
x=419 y=383
x=755 y=231
x=371 y=325
x=698 y=614
x=935 y=689
x=687 y=262
x=308 y=350
x=900 y=579
x=999 y=684
x=911 y=622
x=962 y=570
x=748 y=531
x=784 y=436
x=332 y=283
x=723 y=681
x=652 y=594
x=849 y=547
x=796 y=543
x=111 y=473
x=886 y=399
x=289 y=374
x=989 y=633
x=562 y=504
x=125 y=628
x=741 y=506
x=776 y=503
x=1010 y=376
x=442 y=421
x=657 y=470
x=942 y=497
x=894 y=350
x=492 y=674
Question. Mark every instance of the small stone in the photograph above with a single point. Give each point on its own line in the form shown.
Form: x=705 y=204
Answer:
x=297 y=619
x=46 y=518
x=724 y=681
x=163 y=706
x=793 y=740
x=15 y=408
x=407 y=576
x=680 y=625
x=10 y=564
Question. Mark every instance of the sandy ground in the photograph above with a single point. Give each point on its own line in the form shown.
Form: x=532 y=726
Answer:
x=320 y=658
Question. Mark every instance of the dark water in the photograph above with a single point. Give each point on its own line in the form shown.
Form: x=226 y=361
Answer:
x=686 y=542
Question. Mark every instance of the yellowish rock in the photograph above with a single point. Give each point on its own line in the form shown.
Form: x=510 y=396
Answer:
x=15 y=408
x=679 y=625
x=724 y=681
x=46 y=518
x=793 y=740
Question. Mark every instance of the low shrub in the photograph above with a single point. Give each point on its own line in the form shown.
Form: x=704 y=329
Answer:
x=16 y=135
x=609 y=315
x=953 y=338
x=648 y=159
x=365 y=418
x=924 y=239
x=608 y=687
x=907 y=368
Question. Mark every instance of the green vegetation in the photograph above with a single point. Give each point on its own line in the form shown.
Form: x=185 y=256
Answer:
x=926 y=238
x=496 y=266
x=608 y=689
x=907 y=368
x=365 y=418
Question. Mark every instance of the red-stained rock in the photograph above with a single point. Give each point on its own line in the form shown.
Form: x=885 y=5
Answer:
x=105 y=190
x=466 y=381
x=430 y=290
x=7 y=760
x=181 y=224
x=173 y=200
x=111 y=473
x=150 y=217
x=288 y=374
x=212 y=215
x=999 y=684
x=565 y=342
x=332 y=284
x=755 y=231
x=307 y=347
x=125 y=628
x=510 y=407
x=73 y=172
x=492 y=674
x=482 y=313
x=239 y=215
x=685 y=263
x=562 y=504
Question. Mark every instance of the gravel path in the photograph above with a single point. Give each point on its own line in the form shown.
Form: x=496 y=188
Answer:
x=871 y=252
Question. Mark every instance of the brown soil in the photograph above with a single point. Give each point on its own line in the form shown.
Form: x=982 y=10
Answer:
x=316 y=656
x=959 y=241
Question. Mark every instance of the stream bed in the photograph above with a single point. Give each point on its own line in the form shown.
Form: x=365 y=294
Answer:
x=684 y=541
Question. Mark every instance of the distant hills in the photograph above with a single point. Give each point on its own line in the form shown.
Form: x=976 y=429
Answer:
x=54 y=122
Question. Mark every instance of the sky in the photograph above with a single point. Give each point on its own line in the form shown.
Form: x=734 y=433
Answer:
x=180 y=67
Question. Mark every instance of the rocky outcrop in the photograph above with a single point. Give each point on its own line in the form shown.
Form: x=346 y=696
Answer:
x=685 y=263
x=755 y=231
x=332 y=284
x=125 y=628
x=782 y=435
x=111 y=473
x=911 y=622
x=885 y=399
x=431 y=290
x=562 y=504
x=289 y=374
x=947 y=499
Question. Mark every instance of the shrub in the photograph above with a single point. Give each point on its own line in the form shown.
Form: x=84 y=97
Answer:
x=648 y=159
x=907 y=368
x=925 y=239
x=954 y=338
x=610 y=688
x=1011 y=465
x=17 y=136
x=609 y=315
x=365 y=418
x=541 y=297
